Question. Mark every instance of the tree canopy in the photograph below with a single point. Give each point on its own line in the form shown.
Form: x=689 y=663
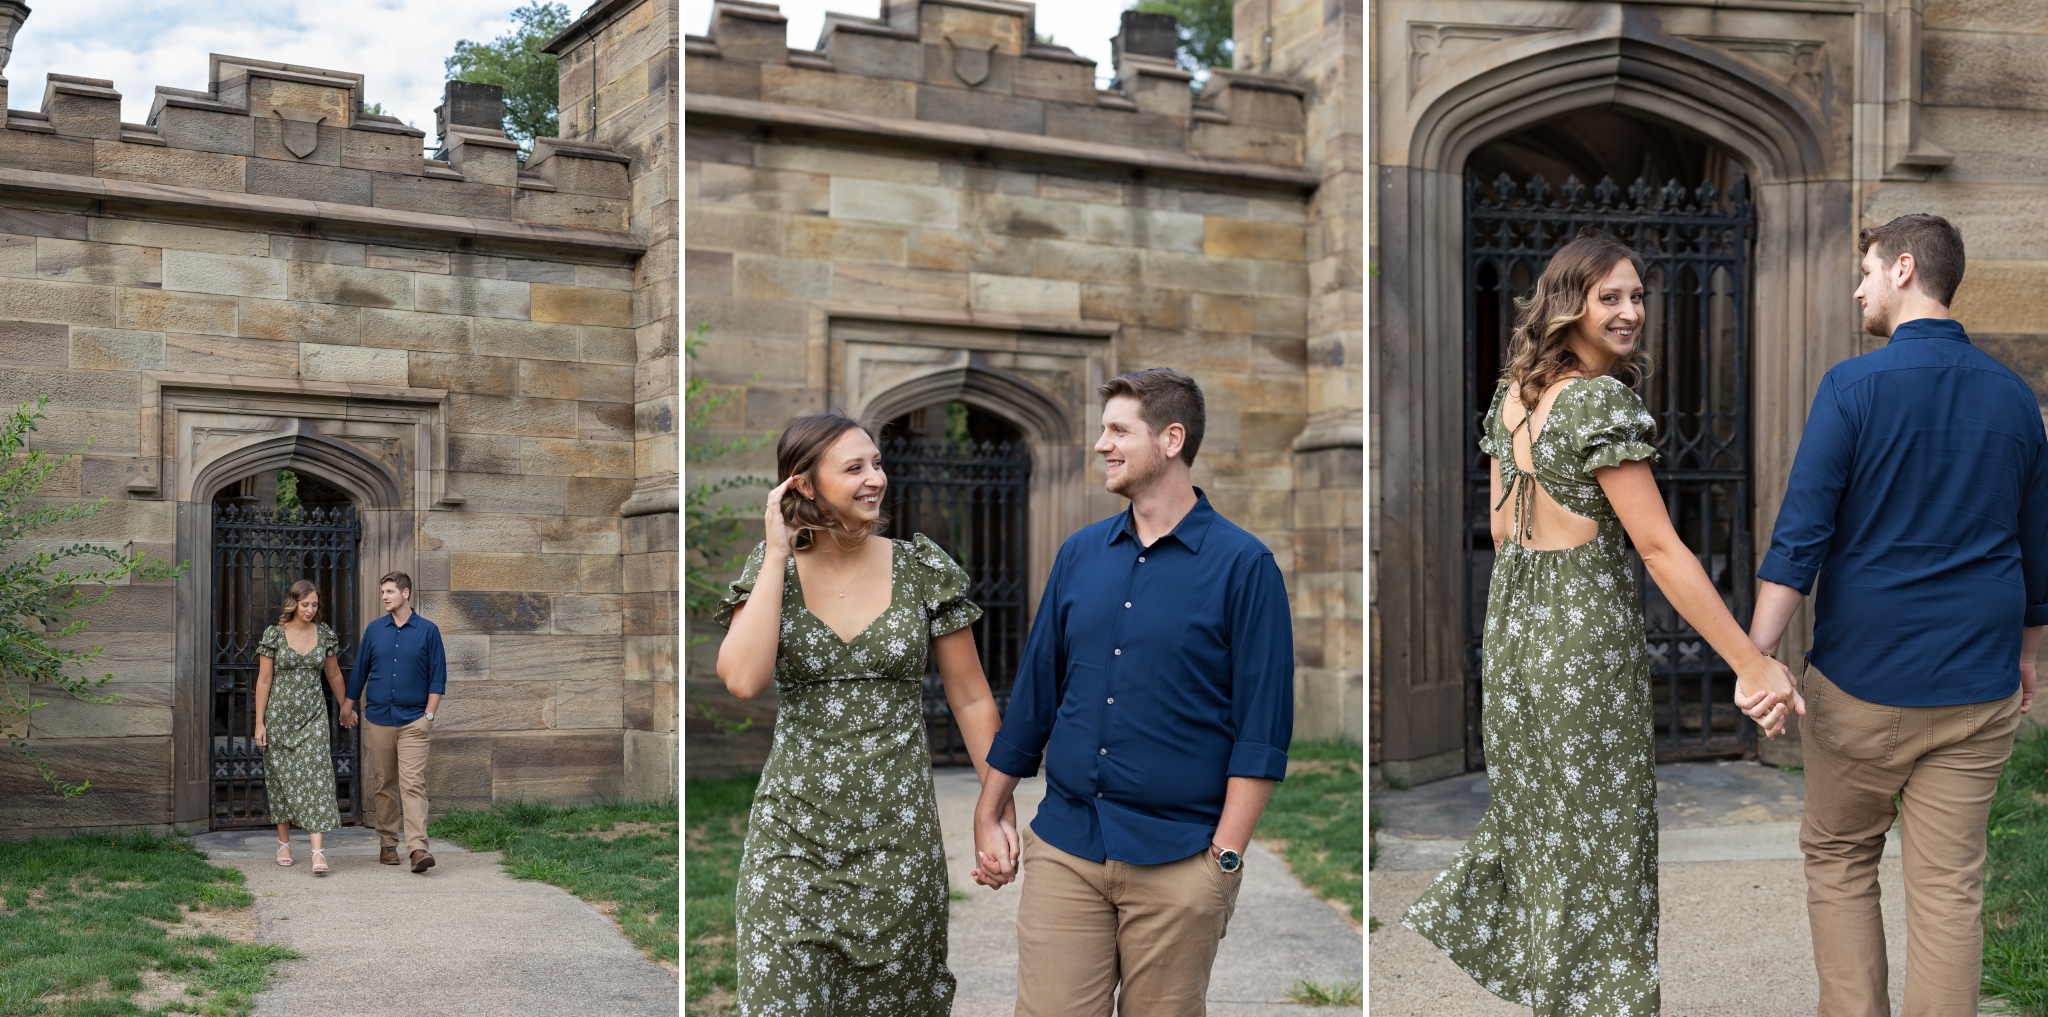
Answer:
x=514 y=62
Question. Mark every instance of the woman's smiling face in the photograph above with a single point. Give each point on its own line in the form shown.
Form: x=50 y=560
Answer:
x=1612 y=325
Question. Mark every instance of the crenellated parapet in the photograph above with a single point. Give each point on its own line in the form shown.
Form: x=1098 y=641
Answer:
x=970 y=73
x=294 y=142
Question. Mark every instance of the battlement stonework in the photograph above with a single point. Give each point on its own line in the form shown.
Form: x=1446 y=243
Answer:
x=930 y=206
x=480 y=355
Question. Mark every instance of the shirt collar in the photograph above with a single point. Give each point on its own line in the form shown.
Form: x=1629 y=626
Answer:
x=1930 y=328
x=1188 y=531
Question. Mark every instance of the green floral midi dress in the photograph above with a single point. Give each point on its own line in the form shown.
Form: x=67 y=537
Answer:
x=298 y=764
x=1553 y=902
x=841 y=904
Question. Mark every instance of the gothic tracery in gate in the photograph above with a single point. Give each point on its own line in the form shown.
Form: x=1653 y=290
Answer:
x=261 y=545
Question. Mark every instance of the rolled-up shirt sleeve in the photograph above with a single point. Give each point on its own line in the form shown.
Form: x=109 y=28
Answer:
x=437 y=664
x=1019 y=745
x=1820 y=473
x=2034 y=538
x=1262 y=673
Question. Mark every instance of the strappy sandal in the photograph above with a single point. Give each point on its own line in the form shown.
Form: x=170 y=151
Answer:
x=319 y=862
x=284 y=852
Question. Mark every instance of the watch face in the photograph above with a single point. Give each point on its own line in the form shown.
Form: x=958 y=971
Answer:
x=1229 y=861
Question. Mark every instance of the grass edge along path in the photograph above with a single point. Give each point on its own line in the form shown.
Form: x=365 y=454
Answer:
x=2016 y=881
x=715 y=821
x=89 y=922
x=620 y=857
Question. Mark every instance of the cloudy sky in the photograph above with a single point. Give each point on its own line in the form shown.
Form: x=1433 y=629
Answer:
x=397 y=44
x=1085 y=26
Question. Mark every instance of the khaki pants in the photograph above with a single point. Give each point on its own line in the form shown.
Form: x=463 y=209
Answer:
x=1944 y=762
x=1085 y=926
x=398 y=764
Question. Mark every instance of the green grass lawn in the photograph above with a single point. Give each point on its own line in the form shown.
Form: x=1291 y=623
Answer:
x=618 y=856
x=97 y=926
x=1318 y=813
x=716 y=817
x=2016 y=883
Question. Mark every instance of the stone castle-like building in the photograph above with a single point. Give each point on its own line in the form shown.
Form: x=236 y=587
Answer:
x=932 y=209
x=1785 y=126
x=470 y=364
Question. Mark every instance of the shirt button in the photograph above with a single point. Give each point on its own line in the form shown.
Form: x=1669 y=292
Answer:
x=1141 y=557
x=1112 y=700
x=1119 y=652
x=1103 y=752
x=1098 y=794
x=1127 y=603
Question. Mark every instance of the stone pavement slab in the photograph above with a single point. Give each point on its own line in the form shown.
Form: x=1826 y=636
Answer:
x=461 y=940
x=1279 y=933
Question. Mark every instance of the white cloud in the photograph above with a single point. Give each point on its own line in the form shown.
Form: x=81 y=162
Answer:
x=1079 y=25
x=398 y=45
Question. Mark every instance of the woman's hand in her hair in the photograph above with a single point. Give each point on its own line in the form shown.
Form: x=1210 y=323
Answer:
x=775 y=525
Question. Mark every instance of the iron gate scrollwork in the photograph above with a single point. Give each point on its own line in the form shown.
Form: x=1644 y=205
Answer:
x=1696 y=245
x=258 y=553
x=970 y=498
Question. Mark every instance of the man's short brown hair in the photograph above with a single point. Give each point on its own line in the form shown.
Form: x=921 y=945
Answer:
x=398 y=579
x=1936 y=247
x=1165 y=396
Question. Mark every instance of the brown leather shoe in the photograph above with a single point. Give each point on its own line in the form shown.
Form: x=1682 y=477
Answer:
x=422 y=861
x=388 y=854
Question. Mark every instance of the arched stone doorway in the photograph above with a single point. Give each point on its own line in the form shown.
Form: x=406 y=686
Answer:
x=1683 y=203
x=960 y=475
x=270 y=530
x=1791 y=146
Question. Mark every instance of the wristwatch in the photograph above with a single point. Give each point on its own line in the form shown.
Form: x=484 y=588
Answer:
x=1226 y=859
x=430 y=716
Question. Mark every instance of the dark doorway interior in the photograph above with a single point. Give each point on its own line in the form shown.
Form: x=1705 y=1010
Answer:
x=271 y=530
x=1683 y=204
x=958 y=475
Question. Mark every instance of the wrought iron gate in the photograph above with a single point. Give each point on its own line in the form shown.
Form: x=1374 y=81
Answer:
x=258 y=553
x=1696 y=246
x=970 y=498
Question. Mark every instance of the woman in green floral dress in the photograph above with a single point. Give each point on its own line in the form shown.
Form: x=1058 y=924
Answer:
x=1553 y=901
x=842 y=898
x=291 y=721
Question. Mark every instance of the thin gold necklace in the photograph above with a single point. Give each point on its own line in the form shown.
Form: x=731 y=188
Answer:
x=856 y=577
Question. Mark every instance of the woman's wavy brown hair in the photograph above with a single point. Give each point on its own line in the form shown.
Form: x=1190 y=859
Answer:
x=292 y=598
x=1540 y=351
x=798 y=453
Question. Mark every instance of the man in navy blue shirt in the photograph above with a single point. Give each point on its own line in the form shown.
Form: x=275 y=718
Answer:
x=1158 y=689
x=1919 y=506
x=400 y=674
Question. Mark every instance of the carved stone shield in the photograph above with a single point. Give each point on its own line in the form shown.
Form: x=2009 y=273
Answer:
x=301 y=131
x=971 y=58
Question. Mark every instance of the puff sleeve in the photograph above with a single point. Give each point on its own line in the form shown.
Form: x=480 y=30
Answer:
x=944 y=588
x=272 y=642
x=741 y=588
x=1492 y=441
x=329 y=643
x=1613 y=427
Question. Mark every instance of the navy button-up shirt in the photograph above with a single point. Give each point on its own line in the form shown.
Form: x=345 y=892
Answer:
x=1919 y=500
x=397 y=667
x=1152 y=676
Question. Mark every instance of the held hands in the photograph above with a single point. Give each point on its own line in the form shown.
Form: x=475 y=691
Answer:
x=1765 y=692
x=348 y=715
x=996 y=847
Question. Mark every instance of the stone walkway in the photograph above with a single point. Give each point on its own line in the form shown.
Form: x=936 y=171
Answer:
x=461 y=940
x=1279 y=933
x=1734 y=942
